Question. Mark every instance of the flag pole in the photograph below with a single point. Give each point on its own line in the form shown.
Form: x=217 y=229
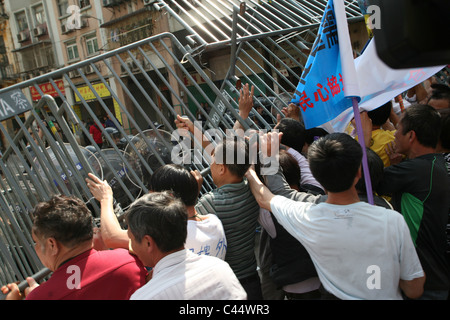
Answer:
x=361 y=139
x=351 y=86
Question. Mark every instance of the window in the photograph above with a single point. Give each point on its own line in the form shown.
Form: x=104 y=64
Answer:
x=3 y=56
x=72 y=51
x=83 y=3
x=38 y=15
x=91 y=44
x=49 y=55
x=44 y=57
x=62 y=7
x=28 y=58
x=21 y=20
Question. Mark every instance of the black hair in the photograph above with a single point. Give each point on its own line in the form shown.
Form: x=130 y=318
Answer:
x=376 y=171
x=425 y=121
x=65 y=218
x=178 y=180
x=334 y=161
x=161 y=216
x=313 y=134
x=233 y=152
x=291 y=169
x=380 y=115
x=293 y=133
x=440 y=92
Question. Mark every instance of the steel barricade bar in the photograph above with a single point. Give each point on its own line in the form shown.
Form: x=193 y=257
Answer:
x=148 y=81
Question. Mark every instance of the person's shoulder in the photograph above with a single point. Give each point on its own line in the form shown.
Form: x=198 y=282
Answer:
x=205 y=203
x=119 y=255
x=383 y=136
x=386 y=213
x=239 y=190
x=207 y=198
x=122 y=261
x=211 y=219
x=422 y=163
x=441 y=159
x=383 y=132
x=206 y=218
x=236 y=187
x=207 y=260
x=363 y=203
x=404 y=166
x=113 y=252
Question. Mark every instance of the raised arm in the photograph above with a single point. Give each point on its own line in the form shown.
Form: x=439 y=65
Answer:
x=261 y=193
x=186 y=124
x=366 y=124
x=245 y=104
x=276 y=182
x=291 y=111
x=112 y=233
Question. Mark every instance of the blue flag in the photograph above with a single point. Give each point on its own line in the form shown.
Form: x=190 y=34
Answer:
x=320 y=92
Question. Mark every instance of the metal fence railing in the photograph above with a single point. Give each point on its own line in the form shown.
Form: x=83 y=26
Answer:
x=46 y=156
x=142 y=87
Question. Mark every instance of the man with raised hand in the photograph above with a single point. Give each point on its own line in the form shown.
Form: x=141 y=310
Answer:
x=360 y=251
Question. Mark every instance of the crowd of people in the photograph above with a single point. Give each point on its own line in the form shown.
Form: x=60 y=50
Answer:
x=95 y=131
x=306 y=232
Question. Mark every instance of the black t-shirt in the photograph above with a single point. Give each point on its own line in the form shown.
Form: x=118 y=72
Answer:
x=423 y=179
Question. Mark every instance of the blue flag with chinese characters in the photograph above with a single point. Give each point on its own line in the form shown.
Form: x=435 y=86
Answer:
x=320 y=92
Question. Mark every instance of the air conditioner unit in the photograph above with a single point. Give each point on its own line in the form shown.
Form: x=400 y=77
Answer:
x=38 y=31
x=22 y=36
x=132 y=66
x=109 y=3
x=149 y=2
x=64 y=28
x=146 y=65
x=88 y=69
x=73 y=74
x=84 y=23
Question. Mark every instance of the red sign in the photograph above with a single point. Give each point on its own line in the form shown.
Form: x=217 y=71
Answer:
x=47 y=88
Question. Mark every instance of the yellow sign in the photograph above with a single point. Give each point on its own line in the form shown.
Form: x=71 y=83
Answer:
x=88 y=94
x=117 y=111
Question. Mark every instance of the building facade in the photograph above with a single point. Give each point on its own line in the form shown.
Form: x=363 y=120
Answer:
x=47 y=35
x=8 y=75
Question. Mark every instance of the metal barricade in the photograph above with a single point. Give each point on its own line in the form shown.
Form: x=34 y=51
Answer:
x=149 y=83
x=45 y=156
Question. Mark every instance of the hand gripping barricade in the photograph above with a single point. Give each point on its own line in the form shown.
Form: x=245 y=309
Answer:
x=141 y=86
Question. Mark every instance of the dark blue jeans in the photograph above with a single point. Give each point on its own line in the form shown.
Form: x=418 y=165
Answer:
x=252 y=285
x=434 y=295
x=431 y=295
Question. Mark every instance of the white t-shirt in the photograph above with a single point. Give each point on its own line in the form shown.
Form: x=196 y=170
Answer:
x=207 y=237
x=184 y=275
x=360 y=251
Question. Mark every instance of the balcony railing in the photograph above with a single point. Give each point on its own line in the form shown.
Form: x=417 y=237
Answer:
x=7 y=72
x=123 y=36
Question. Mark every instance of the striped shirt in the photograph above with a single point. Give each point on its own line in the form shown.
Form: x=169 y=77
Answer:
x=238 y=210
